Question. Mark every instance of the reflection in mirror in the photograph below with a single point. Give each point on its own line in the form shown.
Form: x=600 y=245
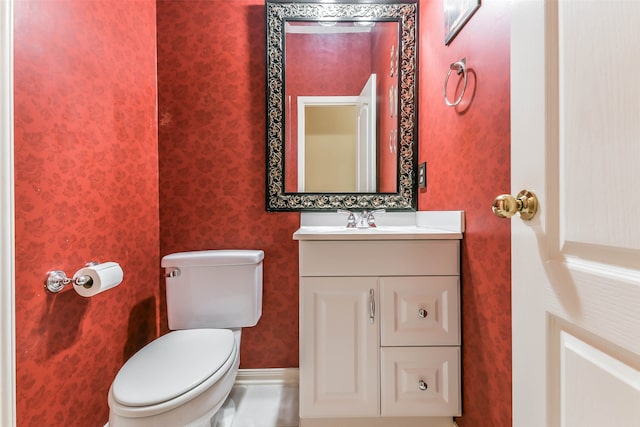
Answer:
x=341 y=128
x=339 y=68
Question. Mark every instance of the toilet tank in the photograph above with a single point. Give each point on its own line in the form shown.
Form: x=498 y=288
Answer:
x=213 y=289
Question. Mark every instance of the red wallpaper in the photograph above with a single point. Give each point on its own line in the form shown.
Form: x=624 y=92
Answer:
x=86 y=188
x=467 y=152
x=385 y=42
x=211 y=75
x=87 y=185
x=212 y=166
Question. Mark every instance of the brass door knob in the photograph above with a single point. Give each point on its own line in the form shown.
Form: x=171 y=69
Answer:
x=506 y=206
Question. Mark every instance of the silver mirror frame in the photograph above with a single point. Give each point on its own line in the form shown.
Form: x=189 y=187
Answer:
x=405 y=13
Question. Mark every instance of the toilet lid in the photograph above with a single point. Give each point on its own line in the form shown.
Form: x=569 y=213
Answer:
x=172 y=365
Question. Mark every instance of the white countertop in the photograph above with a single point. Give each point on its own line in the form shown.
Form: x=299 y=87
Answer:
x=423 y=225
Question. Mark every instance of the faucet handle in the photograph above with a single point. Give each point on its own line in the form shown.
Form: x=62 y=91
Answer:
x=371 y=220
x=351 y=219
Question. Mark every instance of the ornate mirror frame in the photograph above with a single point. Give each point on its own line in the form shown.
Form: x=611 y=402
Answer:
x=277 y=13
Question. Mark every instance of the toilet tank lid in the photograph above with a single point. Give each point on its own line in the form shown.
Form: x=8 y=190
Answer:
x=213 y=258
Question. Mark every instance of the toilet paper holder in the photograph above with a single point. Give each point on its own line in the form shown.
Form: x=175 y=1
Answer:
x=57 y=280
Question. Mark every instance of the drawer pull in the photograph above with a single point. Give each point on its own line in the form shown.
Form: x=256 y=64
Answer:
x=422 y=385
x=372 y=307
x=422 y=313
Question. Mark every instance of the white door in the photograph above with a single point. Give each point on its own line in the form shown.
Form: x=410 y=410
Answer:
x=576 y=264
x=366 y=144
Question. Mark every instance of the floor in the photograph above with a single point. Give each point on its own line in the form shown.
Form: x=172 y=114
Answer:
x=261 y=405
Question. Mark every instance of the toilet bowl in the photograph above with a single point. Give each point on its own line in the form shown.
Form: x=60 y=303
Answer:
x=184 y=377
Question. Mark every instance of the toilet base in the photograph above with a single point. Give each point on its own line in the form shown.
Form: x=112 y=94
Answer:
x=224 y=416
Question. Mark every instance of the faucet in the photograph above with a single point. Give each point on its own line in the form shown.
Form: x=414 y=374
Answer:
x=365 y=219
x=351 y=219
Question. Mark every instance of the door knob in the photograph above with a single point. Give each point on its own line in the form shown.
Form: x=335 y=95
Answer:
x=506 y=206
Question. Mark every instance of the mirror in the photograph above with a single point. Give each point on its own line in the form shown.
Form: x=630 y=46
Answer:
x=342 y=124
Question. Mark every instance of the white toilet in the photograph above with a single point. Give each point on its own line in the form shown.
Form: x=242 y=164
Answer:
x=184 y=377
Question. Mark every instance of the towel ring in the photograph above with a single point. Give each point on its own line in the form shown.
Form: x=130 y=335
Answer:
x=459 y=67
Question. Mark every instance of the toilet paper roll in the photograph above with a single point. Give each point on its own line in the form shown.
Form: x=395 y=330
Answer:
x=103 y=276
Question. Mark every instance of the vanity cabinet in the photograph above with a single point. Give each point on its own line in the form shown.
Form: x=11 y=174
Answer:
x=379 y=332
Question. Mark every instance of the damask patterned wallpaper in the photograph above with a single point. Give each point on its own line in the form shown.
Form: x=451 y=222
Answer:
x=86 y=188
x=211 y=130
x=90 y=170
x=211 y=77
x=467 y=153
x=386 y=60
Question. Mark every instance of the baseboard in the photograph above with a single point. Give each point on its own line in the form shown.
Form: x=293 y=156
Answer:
x=268 y=376
x=378 y=422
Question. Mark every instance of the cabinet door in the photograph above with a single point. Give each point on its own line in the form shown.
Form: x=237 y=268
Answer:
x=420 y=311
x=339 y=347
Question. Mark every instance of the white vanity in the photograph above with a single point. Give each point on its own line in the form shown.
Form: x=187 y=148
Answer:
x=380 y=320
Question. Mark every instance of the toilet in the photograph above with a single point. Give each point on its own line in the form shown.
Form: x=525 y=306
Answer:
x=185 y=376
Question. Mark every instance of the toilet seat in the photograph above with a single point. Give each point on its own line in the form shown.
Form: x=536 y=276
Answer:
x=172 y=366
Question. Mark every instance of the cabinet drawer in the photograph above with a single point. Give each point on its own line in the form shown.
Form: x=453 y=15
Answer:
x=420 y=381
x=379 y=258
x=420 y=311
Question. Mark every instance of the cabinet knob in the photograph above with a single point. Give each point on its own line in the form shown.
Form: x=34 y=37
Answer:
x=422 y=313
x=422 y=385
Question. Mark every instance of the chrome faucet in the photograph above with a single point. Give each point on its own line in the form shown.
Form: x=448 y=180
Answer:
x=365 y=219
x=351 y=219
x=371 y=220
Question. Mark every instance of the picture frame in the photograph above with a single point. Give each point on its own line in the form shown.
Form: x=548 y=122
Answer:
x=456 y=14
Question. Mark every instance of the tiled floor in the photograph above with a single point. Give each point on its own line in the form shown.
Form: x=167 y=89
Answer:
x=262 y=405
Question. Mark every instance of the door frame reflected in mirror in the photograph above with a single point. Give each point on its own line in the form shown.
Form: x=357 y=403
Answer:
x=342 y=137
x=312 y=175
